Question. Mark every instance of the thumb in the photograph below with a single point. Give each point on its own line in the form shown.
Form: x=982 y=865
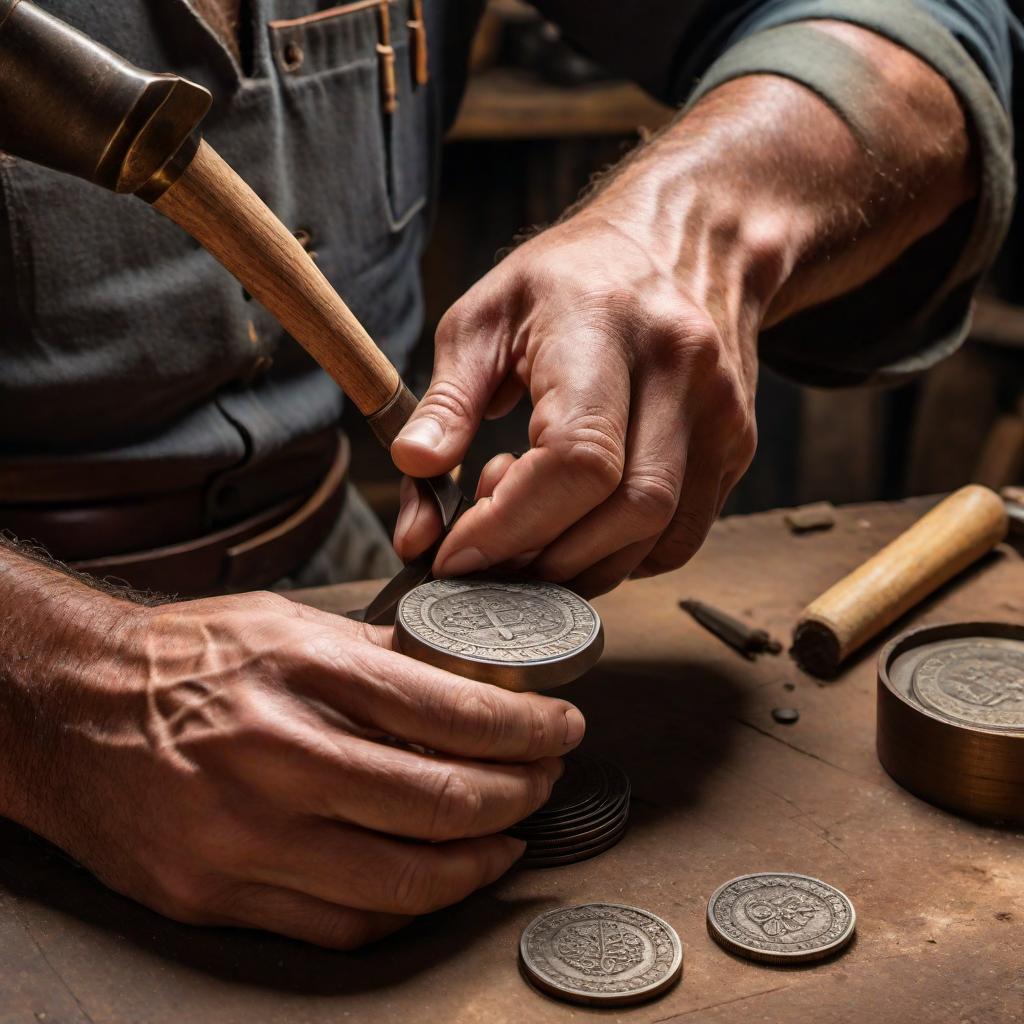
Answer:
x=439 y=432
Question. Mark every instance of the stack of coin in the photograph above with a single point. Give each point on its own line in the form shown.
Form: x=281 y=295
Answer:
x=586 y=815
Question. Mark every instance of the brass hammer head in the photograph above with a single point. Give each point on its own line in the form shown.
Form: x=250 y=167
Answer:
x=68 y=103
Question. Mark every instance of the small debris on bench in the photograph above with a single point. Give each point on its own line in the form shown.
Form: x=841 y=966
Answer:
x=820 y=516
x=785 y=716
x=748 y=640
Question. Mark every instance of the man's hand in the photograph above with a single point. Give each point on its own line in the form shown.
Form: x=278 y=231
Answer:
x=633 y=323
x=248 y=761
x=643 y=419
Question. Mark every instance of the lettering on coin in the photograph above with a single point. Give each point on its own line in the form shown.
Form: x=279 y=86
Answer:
x=600 y=948
x=780 y=916
x=975 y=683
x=601 y=953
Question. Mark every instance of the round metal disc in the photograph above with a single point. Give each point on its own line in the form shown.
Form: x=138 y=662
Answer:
x=520 y=635
x=950 y=722
x=780 y=918
x=584 y=783
x=601 y=954
x=977 y=682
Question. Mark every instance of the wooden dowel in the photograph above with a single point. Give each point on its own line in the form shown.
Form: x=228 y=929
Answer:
x=958 y=531
x=217 y=208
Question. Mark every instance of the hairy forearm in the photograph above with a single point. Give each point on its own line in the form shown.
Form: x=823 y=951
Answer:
x=59 y=640
x=766 y=178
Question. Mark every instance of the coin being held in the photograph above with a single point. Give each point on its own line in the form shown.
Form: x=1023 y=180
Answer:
x=518 y=634
x=601 y=954
x=780 y=918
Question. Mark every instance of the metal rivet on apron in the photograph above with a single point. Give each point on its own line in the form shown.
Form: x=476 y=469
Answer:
x=292 y=56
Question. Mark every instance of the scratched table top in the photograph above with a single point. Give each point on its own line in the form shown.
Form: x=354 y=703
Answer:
x=720 y=789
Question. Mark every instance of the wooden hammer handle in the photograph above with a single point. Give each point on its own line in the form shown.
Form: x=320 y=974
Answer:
x=959 y=530
x=216 y=207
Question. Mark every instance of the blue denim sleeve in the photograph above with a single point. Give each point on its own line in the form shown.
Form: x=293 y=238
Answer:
x=917 y=310
x=986 y=29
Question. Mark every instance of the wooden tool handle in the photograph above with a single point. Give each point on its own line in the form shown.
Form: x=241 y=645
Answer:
x=216 y=207
x=959 y=530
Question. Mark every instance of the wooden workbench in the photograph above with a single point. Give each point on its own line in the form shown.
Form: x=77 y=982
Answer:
x=719 y=790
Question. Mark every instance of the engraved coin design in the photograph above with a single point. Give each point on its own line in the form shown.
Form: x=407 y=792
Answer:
x=602 y=954
x=524 y=634
x=780 y=917
x=974 y=682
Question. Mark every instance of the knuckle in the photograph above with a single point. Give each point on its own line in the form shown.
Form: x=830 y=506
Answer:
x=413 y=886
x=592 y=451
x=651 y=495
x=265 y=600
x=539 y=786
x=681 y=542
x=475 y=711
x=459 y=318
x=542 y=725
x=694 y=339
x=457 y=804
x=447 y=397
x=181 y=895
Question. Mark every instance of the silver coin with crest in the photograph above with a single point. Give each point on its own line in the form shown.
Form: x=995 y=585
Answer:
x=519 y=634
x=780 y=917
x=601 y=954
x=974 y=682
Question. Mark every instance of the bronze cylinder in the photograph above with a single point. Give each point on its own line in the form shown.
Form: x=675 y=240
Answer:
x=928 y=745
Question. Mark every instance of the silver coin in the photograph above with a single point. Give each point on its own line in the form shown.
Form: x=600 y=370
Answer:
x=780 y=917
x=974 y=682
x=522 y=635
x=602 y=954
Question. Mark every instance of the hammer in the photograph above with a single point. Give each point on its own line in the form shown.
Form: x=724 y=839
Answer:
x=68 y=103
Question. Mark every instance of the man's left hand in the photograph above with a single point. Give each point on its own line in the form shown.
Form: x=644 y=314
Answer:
x=643 y=415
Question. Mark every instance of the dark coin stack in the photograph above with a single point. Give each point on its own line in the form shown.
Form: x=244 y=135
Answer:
x=586 y=815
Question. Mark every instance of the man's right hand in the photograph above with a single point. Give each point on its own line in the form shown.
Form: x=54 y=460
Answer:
x=248 y=761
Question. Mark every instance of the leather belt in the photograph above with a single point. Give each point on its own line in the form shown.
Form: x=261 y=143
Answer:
x=247 y=555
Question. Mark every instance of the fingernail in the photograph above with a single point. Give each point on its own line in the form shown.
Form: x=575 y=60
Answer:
x=464 y=562
x=426 y=432
x=406 y=517
x=575 y=726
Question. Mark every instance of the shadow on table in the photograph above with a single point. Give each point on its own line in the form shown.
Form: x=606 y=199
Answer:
x=667 y=725
x=37 y=873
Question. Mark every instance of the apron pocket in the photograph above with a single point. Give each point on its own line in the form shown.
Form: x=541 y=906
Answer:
x=335 y=53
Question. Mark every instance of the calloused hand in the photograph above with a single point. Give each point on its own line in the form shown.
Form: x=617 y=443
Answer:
x=241 y=765
x=642 y=412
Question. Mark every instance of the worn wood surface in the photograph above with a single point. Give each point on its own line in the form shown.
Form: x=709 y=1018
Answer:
x=720 y=789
